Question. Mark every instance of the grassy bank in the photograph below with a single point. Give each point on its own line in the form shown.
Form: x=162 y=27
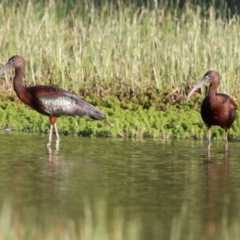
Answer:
x=135 y=64
x=124 y=119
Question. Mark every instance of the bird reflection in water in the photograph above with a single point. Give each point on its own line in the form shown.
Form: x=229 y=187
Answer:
x=217 y=191
x=53 y=155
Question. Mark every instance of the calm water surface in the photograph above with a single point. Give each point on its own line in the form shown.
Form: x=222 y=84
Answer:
x=172 y=188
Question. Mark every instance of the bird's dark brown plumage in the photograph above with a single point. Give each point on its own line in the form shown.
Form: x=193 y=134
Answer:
x=48 y=100
x=217 y=108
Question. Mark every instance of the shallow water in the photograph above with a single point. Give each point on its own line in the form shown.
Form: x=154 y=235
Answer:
x=172 y=189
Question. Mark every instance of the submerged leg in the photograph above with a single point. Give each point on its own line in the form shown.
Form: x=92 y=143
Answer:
x=50 y=136
x=57 y=135
x=226 y=138
x=209 y=137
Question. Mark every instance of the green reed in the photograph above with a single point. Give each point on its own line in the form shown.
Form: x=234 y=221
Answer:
x=115 y=48
x=97 y=222
x=94 y=223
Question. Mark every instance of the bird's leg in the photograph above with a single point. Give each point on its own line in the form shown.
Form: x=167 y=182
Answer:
x=53 y=120
x=57 y=135
x=50 y=136
x=209 y=137
x=226 y=138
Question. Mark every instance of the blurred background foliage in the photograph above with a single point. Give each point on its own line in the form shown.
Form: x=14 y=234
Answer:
x=233 y=6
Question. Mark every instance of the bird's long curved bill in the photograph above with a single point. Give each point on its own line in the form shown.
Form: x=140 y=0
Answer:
x=198 y=85
x=3 y=69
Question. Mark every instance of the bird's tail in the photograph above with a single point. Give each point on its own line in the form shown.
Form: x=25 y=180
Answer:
x=95 y=114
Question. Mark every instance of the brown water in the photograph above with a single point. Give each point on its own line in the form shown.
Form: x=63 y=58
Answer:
x=173 y=189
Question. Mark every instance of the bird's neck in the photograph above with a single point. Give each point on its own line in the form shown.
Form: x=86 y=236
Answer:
x=18 y=81
x=212 y=91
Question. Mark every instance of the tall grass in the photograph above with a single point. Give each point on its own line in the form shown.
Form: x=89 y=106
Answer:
x=114 y=49
x=95 y=223
x=28 y=223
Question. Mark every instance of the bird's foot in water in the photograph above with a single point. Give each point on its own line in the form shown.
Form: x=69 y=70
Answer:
x=48 y=144
x=57 y=144
x=226 y=146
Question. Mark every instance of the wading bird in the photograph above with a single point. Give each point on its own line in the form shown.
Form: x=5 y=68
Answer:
x=48 y=100
x=217 y=108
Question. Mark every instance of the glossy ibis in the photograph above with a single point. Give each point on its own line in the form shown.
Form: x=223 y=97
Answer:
x=48 y=100
x=217 y=108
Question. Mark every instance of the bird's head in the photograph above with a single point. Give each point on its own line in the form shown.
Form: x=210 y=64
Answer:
x=209 y=77
x=15 y=61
